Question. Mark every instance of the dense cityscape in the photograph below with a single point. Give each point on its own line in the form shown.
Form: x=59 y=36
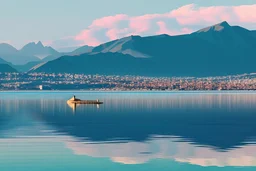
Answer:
x=66 y=81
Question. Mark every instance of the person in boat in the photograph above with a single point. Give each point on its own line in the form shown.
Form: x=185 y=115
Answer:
x=75 y=99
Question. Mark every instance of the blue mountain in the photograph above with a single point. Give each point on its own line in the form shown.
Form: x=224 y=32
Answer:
x=11 y=54
x=78 y=51
x=220 y=49
x=6 y=66
x=32 y=52
x=3 y=61
x=38 y=50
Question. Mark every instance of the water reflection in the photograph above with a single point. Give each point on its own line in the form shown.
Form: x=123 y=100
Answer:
x=73 y=106
x=166 y=148
x=205 y=129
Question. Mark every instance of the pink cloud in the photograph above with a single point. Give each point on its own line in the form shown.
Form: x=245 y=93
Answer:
x=246 y=13
x=191 y=14
x=87 y=36
x=109 y=22
x=141 y=24
x=186 y=30
x=164 y=30
x=188 y=17
x=114 y=33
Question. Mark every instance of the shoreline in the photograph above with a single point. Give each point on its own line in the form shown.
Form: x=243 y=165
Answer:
x=127 y=91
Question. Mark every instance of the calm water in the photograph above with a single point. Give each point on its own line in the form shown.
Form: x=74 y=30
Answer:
x=130 y=131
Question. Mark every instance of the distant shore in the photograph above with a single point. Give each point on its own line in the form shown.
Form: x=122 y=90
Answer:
x=127 y=91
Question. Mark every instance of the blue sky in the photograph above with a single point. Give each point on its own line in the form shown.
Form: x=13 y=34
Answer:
x=57 y=22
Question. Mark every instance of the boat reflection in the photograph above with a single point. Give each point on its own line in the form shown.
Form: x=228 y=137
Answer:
x=73 y=106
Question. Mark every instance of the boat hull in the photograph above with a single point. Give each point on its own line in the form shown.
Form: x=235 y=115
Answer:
x=85 y=102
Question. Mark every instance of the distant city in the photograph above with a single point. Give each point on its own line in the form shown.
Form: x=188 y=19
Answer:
x=68 y=81
x=159 y=62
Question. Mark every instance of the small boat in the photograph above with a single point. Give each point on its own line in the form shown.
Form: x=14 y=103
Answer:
x=74 y=100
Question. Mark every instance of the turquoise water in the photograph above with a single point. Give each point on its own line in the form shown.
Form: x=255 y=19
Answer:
x=130 y=131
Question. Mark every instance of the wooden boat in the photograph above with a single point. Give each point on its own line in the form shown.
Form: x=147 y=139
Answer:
x=74 y=100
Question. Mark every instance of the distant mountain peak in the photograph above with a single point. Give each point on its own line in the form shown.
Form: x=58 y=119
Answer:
x=38 y=50
x=167 y=35
x=224 y=24
x=217 y=27
x=34 y=44
x=31 y=43
x=163 y=35
x=135 y=36
x=40 y=44
x=7 y=49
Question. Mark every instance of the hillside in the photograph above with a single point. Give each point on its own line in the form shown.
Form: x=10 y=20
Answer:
x=3 y=61
x=217 y=50
x=124 y=46
x=78 y=51
x=96 y=64
x=81 y=50
x=26 y=67
x=7 y=49
x=6 y=68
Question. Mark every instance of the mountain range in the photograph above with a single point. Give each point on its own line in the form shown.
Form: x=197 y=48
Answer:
x=217 y=50
x=33 y=54
x=38 y=50
x=26 y=54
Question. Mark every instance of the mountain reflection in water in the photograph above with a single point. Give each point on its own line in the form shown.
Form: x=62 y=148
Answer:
x=206 y=129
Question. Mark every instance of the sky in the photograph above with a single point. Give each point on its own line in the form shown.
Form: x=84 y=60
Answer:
x=71 y=23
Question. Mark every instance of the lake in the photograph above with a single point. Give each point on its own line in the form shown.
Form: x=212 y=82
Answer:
x=131 y=131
